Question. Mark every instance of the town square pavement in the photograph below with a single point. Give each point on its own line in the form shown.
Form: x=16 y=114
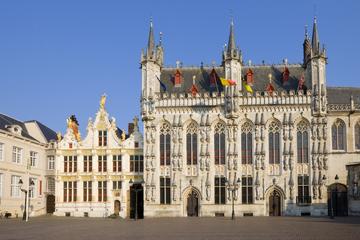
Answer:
x=50 y=227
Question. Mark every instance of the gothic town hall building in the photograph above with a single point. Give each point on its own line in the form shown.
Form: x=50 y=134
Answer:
x=264 y=139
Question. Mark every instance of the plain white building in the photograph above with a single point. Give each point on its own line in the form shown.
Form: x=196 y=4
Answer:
x=25 y=148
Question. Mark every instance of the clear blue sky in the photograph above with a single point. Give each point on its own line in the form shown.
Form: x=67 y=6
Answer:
x=58 y=57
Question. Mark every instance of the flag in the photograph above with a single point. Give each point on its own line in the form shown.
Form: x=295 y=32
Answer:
x=161 y=84
x=231 y=82
x=302 y=85
x=227 y=82
x=247 y=87
x=224 y=82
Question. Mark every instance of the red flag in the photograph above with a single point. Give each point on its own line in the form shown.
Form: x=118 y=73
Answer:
x=249 y=77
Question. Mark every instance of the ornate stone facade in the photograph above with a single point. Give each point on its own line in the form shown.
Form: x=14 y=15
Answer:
x=202 y=137
x=93 y=174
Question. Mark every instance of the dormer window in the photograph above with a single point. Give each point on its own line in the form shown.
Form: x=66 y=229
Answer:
x=177 y=78
x=14 y=129
x=250 y=77
x=102 y=138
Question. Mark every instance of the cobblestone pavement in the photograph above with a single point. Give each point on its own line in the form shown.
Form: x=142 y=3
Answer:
x=48 y=228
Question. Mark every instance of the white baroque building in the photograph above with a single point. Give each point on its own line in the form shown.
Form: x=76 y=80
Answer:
x=93 y=174
x=276 y=142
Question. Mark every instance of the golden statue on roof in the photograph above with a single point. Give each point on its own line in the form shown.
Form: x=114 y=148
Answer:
x=103 y=101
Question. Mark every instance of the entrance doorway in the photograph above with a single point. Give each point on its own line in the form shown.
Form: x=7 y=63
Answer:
x=136 y=201
x=192 y=204
x=50 y=203
x=117 y=207
x=337 y=200
x=275 y=203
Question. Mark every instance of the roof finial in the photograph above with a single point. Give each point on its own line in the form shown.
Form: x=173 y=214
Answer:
x=306 y=31
x=160 y=38
x=315 y=38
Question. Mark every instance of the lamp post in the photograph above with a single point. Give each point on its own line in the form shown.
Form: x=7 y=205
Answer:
x=136 y=190
x=233 y=187
x=27 y=192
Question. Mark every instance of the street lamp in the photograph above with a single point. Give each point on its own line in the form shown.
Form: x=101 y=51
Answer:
x=136 y=190
x=233 y=187
x=27 y=192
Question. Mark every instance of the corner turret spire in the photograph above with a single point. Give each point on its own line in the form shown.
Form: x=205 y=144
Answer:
x=315 y=39
x=151 y=42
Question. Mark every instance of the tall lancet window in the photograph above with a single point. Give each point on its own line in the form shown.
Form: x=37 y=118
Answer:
x=246 y=143
x=191 y=144
x=165 y=144
x=274 y=143
x=302 y=137
x=357 y=136
x=338 y=130
x=219 y=144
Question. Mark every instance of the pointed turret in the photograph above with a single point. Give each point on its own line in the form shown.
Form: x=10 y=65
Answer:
x=315 y=39
x=151 y=42
x=231 y=51
x=307 y=48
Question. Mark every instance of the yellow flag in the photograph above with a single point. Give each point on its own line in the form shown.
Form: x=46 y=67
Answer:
x=224 y=82
x=247 y=87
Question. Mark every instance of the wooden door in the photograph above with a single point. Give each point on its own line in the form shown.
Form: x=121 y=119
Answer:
x=192 y=205
x=275 y=204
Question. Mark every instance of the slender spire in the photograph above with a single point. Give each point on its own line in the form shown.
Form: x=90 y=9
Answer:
x=306 y=47
x=231 y=43
x=151 y=42
x=315 y=39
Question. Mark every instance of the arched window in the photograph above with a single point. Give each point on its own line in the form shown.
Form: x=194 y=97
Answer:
x=246 y=143
x=338 y=135
x=191 y=144
x=274 y=143
x=219 y=143
x=357 y=136
x=302 y=142
x=165 y=144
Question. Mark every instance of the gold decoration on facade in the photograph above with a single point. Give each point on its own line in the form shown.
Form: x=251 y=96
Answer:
x=123 y=135
x=73 y=124
x=103 y=101
x=59 y=137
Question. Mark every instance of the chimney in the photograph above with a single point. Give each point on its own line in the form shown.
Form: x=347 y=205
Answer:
x=130 y=128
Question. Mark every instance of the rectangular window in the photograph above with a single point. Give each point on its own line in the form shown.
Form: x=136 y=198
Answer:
x=165 y=197
x=103 y=138
x=70 y=191
x=33 y=190
x=15 y=187
x=117 y=185
x=1 y=152
x=88 y=163
x=117 y=165
x=70 y=164
x=219 y=147
x=136 y=163
x=51 y=162
x=102 y=188
x=65 y=163
x=220 y=190
x=33 y=158
x=247 y=190
x=17 y=154
x=87 y=187
x=102 y=162
x=246 y=148
x=303 y=190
